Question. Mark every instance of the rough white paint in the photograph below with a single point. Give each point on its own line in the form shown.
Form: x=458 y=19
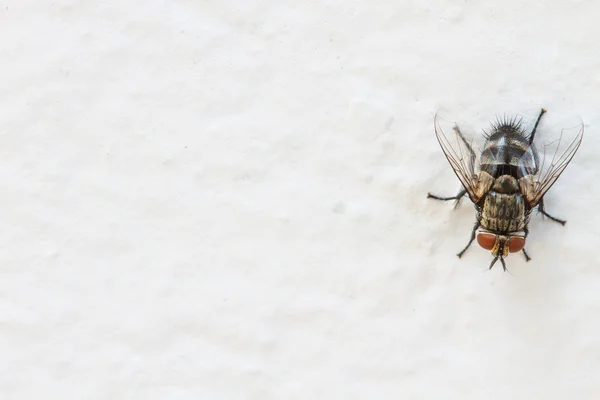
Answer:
x=226 y=200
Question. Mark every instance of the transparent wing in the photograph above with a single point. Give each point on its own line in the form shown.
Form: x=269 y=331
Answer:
x=459 y=153
x=556 y=156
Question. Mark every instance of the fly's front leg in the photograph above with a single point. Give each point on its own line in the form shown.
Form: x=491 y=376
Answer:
x=526 y=230
x=477 y=225
x=543 y=212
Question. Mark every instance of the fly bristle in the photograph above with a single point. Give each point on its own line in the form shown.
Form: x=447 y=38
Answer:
x=506 y=123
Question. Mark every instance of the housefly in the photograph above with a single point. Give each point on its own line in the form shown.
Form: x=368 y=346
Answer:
x=508 y=183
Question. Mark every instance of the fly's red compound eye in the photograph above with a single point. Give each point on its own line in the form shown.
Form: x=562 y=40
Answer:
x=486 y=240
x=515 y=244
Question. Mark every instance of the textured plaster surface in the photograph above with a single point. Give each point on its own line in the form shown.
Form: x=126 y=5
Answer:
x=226 y=200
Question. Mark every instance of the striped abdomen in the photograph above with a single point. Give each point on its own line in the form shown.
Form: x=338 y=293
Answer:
x=508 y=152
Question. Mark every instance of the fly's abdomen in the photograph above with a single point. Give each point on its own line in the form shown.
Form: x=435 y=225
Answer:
x=508 y=152
x=503 y=212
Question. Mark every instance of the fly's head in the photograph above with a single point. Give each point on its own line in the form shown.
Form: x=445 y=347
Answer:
x=500 y=245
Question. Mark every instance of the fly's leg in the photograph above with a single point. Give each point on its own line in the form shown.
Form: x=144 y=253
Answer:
x=477 y=224
x=543 y=212
x=457 y=197
x=502 y=261
x=536 y=125
x=526 y=230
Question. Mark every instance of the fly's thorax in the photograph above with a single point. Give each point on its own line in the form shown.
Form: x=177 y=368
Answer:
x=506 y=184
x=502 y=212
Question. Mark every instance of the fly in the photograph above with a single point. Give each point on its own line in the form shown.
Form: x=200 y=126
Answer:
x=507 y=184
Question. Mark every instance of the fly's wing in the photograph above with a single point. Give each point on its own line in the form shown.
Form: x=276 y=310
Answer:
x=555 y=158
x=460 y=155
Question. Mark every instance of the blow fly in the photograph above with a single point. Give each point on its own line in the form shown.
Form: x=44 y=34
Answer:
x=508 y=183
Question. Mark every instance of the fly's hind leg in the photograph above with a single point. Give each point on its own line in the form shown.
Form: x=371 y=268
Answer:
x=544 y=213
x=477 y=224
x=542 y=112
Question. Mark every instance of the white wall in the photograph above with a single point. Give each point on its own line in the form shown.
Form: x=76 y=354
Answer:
x=226 y=200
